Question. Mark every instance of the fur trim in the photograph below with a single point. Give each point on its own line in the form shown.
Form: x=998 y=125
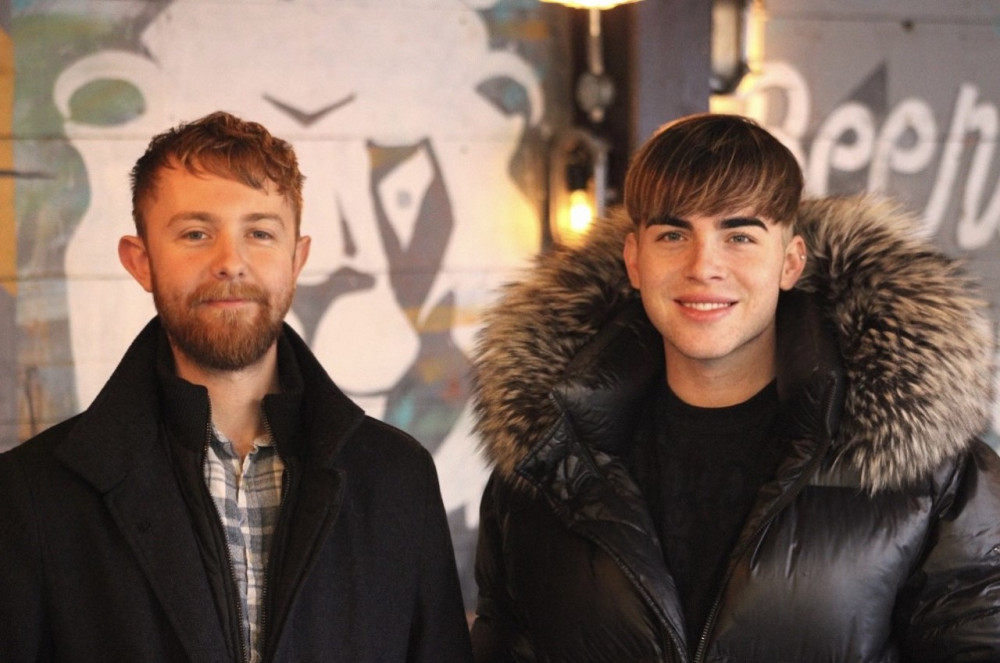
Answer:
x=538 y=325
x=914 y=339
x=915 y=342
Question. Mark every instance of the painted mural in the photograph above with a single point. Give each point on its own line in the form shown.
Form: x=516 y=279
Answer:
x=414 y=123
x=904 y=104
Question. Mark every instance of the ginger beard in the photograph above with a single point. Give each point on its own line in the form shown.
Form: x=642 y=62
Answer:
x=223 y=339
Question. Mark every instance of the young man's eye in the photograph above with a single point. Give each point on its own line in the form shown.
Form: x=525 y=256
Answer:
x=195 y=234
x=671 y=236
x=261 y=234
x=741 y=239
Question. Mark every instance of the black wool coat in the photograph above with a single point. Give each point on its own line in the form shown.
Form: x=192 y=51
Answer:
x=108 y=552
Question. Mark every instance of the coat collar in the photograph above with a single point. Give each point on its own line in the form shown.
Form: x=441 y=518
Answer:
x=872 y=325
x=310 y=418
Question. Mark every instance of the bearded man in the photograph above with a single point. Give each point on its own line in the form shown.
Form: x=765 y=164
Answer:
x=222 y=499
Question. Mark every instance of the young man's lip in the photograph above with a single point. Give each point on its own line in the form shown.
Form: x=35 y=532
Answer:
x=706 y=301
x=707 y=306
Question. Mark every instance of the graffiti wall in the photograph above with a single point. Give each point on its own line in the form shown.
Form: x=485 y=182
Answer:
x=899 y=98
x=419 y=126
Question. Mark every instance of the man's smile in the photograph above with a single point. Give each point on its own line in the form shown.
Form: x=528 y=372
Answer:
x=706 y=306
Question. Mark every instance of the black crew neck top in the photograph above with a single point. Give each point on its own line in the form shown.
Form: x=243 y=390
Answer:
x=699 y=470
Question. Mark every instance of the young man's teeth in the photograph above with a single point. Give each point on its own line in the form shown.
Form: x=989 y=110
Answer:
x=706 y=306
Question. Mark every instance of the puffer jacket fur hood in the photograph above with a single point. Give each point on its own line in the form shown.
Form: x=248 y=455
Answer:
x=913 y=337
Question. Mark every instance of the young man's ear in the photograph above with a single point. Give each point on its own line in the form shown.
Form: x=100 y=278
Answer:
x=631 y=255
x=135 y=259
x=795 y=262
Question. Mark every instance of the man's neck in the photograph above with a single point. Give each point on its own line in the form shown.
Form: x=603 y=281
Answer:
x=236 y=396
x=710 y=385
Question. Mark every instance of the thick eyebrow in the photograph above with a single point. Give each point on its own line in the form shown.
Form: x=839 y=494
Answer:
x=726 y=224
x=741 y=222
x=668 y=220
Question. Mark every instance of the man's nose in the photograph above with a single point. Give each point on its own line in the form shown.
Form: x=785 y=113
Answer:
x=229 y=258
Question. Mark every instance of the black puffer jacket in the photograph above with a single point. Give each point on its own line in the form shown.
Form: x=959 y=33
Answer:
x=878 y=539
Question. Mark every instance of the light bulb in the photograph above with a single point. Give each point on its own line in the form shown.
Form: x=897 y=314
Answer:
x=581 y=212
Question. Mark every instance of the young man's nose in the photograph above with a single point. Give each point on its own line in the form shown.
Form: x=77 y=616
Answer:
x=704 y=261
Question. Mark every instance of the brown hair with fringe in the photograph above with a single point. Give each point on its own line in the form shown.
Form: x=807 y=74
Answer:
x=711 y=164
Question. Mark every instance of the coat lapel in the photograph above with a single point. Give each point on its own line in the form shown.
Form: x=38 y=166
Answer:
x=117 y=447
x=154 y=521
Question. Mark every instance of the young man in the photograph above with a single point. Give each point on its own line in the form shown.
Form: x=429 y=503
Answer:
x=746 y=441
x=222 y=500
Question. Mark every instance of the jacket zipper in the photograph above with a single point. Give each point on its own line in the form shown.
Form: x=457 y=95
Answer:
x=244 y=655
x=792 y=491
x=264 y=612
x=717 y=603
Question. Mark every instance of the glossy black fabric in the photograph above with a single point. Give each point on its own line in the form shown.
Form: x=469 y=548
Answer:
x=102 y=558
x=569 y=569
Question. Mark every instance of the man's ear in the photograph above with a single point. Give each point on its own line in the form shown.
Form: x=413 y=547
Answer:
x=302 y=245
x=631 y=255
x=135 y=259
x=795 y=262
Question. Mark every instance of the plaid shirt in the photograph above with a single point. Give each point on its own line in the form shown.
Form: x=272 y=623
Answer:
x=248 y=499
